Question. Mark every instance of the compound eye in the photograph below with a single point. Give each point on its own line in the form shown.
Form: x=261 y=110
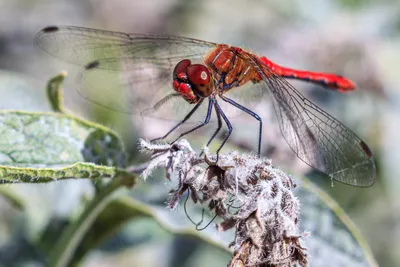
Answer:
x=198 y=74
x=182 y=66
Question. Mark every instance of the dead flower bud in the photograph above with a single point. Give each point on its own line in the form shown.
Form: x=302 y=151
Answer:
x=266 y=215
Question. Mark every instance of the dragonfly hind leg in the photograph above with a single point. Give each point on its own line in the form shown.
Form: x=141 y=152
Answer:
x=216 y=131
x=228 y=124
x=251 y=113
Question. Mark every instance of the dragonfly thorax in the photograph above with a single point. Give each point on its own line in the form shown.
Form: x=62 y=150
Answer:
x=230 y=67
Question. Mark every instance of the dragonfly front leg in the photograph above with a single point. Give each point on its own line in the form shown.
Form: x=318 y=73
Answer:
x=180 y=123
x=206 y=121
x=251 y=113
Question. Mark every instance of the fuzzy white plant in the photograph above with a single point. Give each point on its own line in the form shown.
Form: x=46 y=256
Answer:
x=268 y=217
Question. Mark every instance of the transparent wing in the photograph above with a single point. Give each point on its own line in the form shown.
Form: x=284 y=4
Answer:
x=130 y=73
x=317 y=138
x=116 y=50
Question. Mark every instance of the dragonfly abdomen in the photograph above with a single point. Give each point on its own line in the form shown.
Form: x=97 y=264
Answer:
x=332 y=81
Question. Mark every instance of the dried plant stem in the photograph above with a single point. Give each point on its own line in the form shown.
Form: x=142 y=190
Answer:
x=267 y=216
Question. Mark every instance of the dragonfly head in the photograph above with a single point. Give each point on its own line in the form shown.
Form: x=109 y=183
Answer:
x=192 y=81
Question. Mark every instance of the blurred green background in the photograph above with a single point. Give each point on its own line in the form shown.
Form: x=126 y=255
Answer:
x=358 y=39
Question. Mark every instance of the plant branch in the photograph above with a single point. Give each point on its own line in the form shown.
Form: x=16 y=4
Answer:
x=62 y=254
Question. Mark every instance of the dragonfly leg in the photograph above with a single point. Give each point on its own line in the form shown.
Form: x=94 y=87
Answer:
x=251 y=113
x=216 y=131
x=228 y=123
x=206 y=121
x=180 y=123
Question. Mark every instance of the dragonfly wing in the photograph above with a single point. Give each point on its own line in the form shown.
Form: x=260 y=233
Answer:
x=130 y=73
x=116 y=49
x=317 y=138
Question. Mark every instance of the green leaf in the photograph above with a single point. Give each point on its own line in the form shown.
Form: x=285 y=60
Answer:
x=42 y=175
x=334 y=239
x=41 y=147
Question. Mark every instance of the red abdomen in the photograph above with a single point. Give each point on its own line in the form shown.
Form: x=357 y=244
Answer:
x=332 y=81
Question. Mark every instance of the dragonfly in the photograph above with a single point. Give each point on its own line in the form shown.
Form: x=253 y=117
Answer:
x=166 y=76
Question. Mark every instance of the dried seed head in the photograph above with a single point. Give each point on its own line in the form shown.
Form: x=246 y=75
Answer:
x=267 y=219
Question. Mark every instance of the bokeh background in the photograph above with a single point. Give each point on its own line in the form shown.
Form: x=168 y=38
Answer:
x=358 y=39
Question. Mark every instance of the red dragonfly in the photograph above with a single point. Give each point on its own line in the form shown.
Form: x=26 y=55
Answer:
x=173 y=76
